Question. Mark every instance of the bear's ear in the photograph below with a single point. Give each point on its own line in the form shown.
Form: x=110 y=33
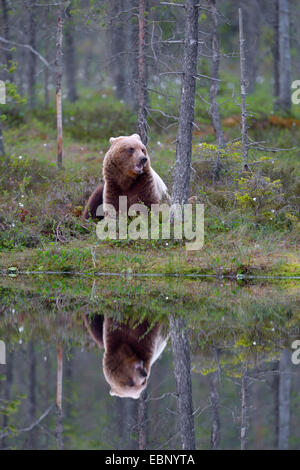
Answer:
x=137 y=136
x=111 y=140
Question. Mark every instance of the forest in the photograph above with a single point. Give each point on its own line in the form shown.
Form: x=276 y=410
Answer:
x=79 y=72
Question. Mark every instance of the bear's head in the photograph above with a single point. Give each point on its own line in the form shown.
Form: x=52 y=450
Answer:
x=127 y=156
x=126 y=373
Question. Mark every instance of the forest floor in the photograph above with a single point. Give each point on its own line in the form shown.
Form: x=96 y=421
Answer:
x=251 y=221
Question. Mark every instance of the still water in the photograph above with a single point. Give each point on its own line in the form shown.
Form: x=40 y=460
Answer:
x=125 y=363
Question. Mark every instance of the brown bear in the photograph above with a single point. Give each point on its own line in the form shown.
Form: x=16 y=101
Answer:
x=130 y=352
x=127 y=172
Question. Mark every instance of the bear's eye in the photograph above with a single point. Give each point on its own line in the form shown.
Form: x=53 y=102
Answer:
x=144 y=151
x=131 y=150
x=131 y=383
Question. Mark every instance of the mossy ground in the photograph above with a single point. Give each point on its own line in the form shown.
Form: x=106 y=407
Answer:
x=40 y=207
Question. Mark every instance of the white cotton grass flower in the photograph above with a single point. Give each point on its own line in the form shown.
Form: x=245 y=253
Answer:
x=254 y=199
x=254 y=343
x=20 y=204
x=20 y=157
x=21 y=328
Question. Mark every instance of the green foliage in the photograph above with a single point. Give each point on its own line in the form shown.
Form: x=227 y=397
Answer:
x=98 y=116
x=260 y=195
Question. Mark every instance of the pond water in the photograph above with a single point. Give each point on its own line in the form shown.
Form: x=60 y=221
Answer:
x=126 y=363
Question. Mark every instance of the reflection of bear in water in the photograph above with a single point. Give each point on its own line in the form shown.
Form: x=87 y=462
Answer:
x=129 y=352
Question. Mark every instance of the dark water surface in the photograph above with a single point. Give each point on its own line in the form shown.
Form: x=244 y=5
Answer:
x=236 y=338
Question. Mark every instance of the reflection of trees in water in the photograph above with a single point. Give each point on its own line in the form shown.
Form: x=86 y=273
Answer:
x=182 y=371
x=283 y=382
x=215 y=404
x=59 y=395
x=7 y=392
x=233 y=406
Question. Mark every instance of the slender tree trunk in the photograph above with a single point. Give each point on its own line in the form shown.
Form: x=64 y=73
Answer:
x=182 y=371
x=32 y=57
x=21 y=58
x=284 y=101
x=2 y=150
x=284 y=398
x=214 y=87
x=276 y=54
x=142 y=75
x=182 y=169
x=215 y=404
x=47 y=380
x=31 y=393
x=46 y=73
x=59 y=425
x=243 y=91
x=59 y=73
x=70 y=60
x=244 y=409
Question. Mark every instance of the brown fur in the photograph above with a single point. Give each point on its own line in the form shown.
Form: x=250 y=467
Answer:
x=95 y=200
x=125 y=175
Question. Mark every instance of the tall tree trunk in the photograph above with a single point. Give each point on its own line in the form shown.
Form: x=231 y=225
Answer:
x=284 y=392
x=59 y=72
x=182 y=169
x=182 y=371
x=32 y=57
x=142 y=75
x=214 y=87
x=284 y=102
x=70 y=60
x=243 y=91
